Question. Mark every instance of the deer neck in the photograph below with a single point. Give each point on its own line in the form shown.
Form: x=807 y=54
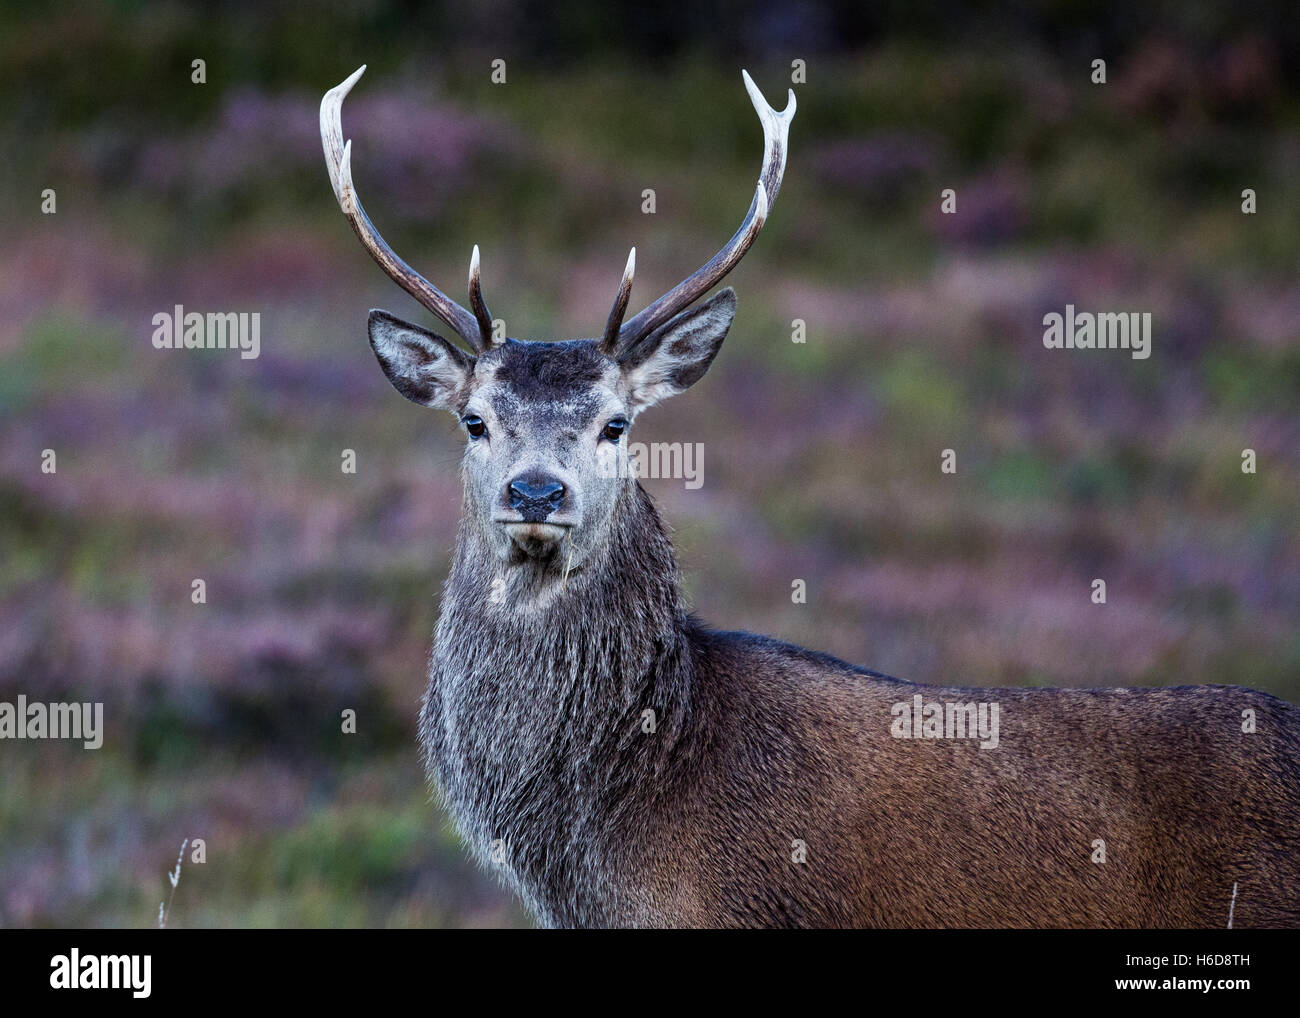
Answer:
x=540 y=687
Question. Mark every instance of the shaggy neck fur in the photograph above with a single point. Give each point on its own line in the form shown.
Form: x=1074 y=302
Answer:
x=534 y=722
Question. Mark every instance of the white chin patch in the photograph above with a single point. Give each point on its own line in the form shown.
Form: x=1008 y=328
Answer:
x=536 y=538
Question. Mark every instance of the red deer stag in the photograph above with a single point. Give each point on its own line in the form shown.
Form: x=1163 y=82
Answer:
x=622 y=764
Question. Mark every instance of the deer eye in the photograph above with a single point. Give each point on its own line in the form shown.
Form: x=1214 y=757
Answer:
x=614 y=429
x=475 y=426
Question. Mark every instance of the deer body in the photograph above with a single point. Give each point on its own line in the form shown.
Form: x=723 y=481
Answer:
x=533 y=729
x=618 y=763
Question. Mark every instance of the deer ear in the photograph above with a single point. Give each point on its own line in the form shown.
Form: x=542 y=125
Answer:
x=678 y=353
x=423 y=367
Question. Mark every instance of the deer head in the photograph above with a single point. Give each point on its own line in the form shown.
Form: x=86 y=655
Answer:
x=544 y=420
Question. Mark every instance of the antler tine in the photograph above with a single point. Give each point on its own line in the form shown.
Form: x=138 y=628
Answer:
x=610 y=343
x=338 y=159
x=776 y=130
x=476 y=302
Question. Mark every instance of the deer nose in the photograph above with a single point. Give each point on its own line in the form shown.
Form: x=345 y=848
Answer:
x=535 y=497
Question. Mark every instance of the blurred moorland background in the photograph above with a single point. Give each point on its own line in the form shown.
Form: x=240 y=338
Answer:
x=821 y=459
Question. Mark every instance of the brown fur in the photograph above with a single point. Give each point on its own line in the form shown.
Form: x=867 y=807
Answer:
x=759 y=743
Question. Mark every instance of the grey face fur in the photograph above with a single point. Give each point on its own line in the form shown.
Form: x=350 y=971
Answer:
x=541 y=477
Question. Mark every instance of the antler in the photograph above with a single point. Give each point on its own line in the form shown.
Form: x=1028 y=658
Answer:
x=776 y=129
x=610 y=343
x=475 y=329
